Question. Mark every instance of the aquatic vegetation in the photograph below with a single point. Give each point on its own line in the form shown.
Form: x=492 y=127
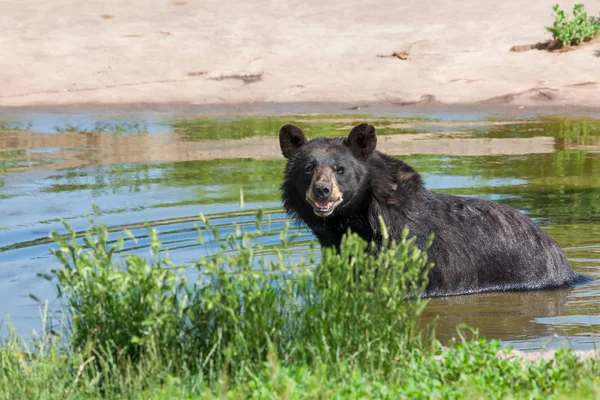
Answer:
x=215 y=128
x=117 y=128
x=14 y=125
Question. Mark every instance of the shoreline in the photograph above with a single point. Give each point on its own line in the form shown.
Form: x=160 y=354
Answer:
x=464 y=111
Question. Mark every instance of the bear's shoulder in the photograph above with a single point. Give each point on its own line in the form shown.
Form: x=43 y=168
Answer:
x=392 y=178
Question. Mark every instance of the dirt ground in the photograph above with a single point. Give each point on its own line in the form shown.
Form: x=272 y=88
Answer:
x=67 y=52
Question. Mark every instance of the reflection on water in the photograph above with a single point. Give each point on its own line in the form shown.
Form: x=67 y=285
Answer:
x=510 y=317
x=168 y=173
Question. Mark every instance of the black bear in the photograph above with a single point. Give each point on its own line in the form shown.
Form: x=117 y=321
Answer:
x=479 y=246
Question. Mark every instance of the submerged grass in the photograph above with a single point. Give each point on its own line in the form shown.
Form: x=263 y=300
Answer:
x=248 y=327
x=14 y=125
x=211 y=128
x=116 y=128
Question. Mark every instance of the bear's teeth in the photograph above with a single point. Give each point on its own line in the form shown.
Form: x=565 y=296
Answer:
x=324 y=205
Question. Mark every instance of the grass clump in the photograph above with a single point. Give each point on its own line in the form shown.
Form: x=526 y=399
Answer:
x=567 y=31
x=241 y=307
x=248 y=326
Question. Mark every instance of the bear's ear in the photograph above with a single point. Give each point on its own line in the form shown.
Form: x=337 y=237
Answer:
x=291 y=139
x=362 y=141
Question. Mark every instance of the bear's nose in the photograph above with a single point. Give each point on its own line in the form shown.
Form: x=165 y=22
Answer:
x=322 y=189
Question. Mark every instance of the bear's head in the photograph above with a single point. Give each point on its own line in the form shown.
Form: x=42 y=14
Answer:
x=326 y=174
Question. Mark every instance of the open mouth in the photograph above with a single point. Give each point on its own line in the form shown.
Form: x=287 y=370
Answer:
x=325 y=207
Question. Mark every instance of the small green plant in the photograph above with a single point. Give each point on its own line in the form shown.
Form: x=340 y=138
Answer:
x=568 y=31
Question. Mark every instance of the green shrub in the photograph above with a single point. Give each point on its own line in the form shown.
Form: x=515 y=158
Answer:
x=567 y=32
x=359 y=309
x=242 y=307
x=116 y=302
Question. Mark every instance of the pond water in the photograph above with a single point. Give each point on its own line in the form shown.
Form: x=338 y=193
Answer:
x=167 y=170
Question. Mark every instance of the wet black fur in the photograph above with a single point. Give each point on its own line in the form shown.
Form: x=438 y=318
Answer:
x=479 y=246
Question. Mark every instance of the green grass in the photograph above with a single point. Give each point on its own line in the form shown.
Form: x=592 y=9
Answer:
x=468 y=370
x=343 y=327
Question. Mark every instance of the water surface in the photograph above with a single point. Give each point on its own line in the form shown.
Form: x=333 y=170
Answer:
x=167 y=170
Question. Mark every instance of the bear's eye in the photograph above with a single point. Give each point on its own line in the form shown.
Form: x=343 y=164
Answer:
x=309 y=168
x=339 y=169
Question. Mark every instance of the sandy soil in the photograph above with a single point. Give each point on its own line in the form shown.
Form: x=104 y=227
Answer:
x=67 y=52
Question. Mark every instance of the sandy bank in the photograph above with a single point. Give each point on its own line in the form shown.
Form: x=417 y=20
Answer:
x=66 y=52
